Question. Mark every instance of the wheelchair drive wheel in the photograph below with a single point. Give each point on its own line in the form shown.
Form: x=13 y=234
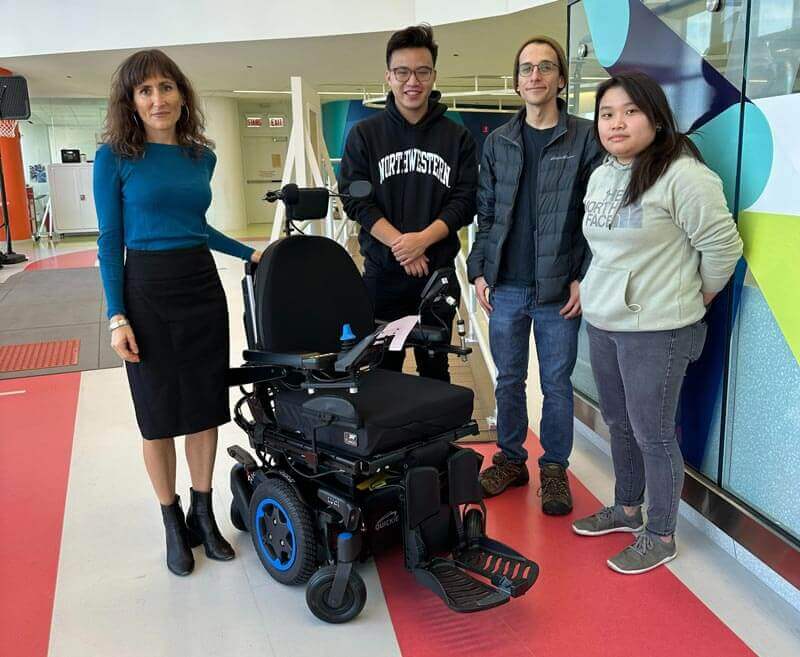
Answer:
x=282 y=531
x=318 y=596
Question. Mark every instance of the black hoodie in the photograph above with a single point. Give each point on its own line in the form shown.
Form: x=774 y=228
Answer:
x=419 y=173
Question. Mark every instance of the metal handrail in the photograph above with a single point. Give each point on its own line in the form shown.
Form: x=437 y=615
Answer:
x=474 y=310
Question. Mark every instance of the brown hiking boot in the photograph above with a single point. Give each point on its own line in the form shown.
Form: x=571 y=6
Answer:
x=504 y=473
x=554 y=491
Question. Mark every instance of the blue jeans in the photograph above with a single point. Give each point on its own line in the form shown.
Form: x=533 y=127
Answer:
x=639 y=376
x=556 y=339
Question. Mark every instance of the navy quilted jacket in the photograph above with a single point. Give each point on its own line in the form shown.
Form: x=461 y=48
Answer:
x=567 y=161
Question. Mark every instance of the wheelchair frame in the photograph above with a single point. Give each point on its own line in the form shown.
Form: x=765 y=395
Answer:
x=439 y=508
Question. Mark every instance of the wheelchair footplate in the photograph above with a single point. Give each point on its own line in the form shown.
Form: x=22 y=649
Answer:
x=502 y=572
x=509 y=575
x=506 y=569
x=459 y=590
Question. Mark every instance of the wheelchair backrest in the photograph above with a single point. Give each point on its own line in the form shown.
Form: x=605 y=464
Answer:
x=306 y=289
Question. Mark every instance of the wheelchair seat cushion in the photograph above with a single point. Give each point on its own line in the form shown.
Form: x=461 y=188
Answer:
x=389 y=411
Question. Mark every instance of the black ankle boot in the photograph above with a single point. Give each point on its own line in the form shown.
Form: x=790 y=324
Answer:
x=179 y=555
x=203 y=528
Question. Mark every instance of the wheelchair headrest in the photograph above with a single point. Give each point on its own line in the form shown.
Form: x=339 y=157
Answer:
x=306 y=289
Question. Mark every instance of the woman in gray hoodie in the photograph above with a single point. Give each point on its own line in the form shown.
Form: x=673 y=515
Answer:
x=663 y=245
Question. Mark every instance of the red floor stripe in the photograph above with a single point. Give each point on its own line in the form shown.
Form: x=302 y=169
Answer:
x=36 y=431
x=66 y=261
x=577 y=608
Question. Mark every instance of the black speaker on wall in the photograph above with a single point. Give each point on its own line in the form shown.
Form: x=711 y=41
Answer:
x=14 y=100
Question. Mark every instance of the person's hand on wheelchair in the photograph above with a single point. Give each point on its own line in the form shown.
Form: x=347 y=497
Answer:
x=123 y=341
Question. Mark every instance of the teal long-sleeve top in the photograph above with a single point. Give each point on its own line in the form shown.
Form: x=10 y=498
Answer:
x=155 y=203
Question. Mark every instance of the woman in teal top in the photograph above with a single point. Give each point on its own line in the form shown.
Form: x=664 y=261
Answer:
x=168 y=312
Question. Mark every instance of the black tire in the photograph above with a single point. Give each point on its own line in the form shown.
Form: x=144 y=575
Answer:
x=282 y=532
x=236 y=518
x=319 y=586
x=473 y=525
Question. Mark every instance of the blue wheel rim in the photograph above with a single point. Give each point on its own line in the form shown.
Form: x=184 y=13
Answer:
x=273 y=525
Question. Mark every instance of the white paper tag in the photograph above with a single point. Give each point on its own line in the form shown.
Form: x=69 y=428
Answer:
x=398 y=330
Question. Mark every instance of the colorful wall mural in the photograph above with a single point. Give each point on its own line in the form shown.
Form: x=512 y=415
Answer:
x=742 y=435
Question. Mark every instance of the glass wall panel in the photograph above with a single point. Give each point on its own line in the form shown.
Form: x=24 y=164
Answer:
x=761 y=461
x=753 y=143
x=55 y=124
x=718 y=36
x=697 y=56
x=585 y=73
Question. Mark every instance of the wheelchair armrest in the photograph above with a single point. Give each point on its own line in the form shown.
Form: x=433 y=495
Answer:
x=421 y=334
x=239 y=376
x=425 y=334
x=308 y=361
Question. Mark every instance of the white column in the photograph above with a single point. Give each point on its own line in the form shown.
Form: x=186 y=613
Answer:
x=227 y=211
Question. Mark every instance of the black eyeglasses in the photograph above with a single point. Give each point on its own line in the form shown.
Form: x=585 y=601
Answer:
x=403 y=73
x=545 y=68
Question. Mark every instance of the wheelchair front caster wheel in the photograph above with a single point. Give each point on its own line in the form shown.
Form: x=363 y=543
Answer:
x=474 y=527
x=317 y=597
x=236 y=518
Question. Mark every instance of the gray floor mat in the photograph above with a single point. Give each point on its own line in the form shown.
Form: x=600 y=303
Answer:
x=14 y=316
x=57 y=304
x=106 y=356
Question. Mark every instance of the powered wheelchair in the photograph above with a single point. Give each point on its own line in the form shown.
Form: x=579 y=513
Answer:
x=350 y=459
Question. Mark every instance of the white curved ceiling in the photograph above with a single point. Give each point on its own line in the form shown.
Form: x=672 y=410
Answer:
x=484 y=47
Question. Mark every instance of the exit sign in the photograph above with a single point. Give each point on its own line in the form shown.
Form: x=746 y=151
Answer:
x=276 y=122
x=254 y=121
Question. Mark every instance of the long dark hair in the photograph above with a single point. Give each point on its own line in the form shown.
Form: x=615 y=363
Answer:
x=124 y=132
x=669 y=143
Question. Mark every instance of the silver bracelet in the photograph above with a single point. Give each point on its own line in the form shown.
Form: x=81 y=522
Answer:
x=117 y=323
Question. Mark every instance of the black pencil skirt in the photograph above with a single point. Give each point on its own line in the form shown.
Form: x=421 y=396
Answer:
x=179 y=316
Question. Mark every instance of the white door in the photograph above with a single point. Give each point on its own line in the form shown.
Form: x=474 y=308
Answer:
x=264 y=159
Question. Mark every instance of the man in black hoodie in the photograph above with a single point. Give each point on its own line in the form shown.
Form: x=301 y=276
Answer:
x=423 y=170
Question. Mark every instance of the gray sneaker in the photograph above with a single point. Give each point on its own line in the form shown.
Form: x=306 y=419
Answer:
x=608 y=520
x=646 y=553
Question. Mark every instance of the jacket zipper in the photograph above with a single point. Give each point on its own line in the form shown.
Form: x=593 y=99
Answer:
x=536 y=192
x=516 y=190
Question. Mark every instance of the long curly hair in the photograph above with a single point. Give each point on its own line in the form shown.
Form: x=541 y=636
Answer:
x=124 y=131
